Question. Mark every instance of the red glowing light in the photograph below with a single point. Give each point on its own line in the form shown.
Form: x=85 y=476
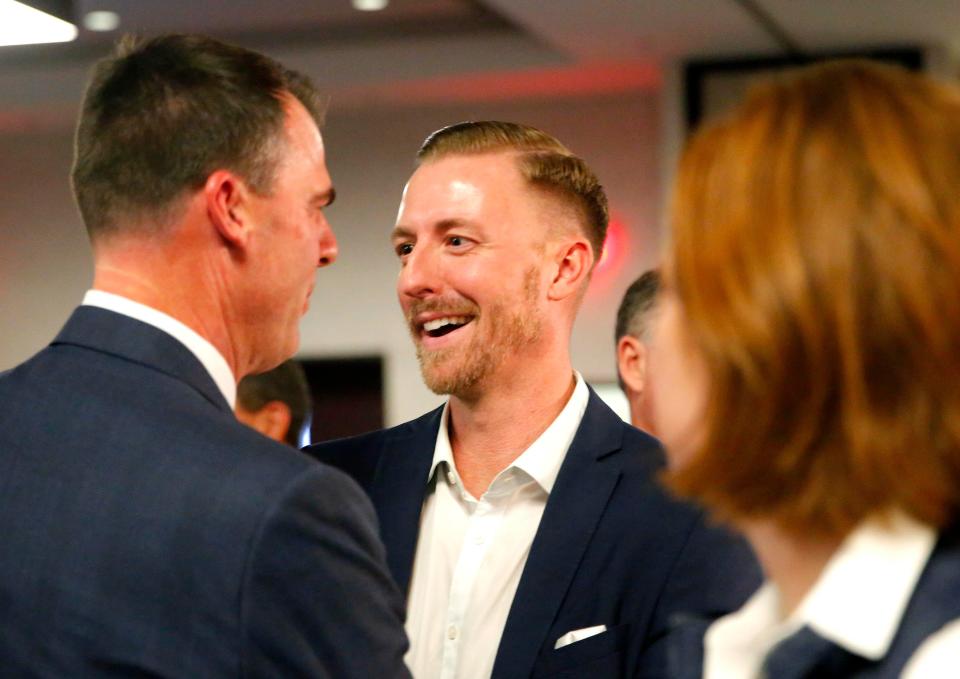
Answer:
x=614 y=247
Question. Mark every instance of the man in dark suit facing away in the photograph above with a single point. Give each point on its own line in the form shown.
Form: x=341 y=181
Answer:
x=523 y=518
x=145 y=532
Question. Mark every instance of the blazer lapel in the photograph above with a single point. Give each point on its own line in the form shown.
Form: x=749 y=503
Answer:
x=587 y=478
x=398 y=489
x=139 y=342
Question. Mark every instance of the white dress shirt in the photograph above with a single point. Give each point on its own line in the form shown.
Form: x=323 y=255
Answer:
x=471 y=552
x=206 y=353
x=857 y=603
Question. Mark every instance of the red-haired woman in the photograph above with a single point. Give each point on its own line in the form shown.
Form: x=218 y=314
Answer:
x=807 y=370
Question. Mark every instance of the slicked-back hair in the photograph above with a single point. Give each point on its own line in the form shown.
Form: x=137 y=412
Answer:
x=635 y=307
x=543 y=161
x=160 y=115
x=816 y=254
x=286 y=383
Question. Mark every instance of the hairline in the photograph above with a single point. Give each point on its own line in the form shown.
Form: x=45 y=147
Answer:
x=552 y=197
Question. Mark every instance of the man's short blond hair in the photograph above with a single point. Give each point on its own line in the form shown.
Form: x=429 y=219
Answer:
x=546 y=163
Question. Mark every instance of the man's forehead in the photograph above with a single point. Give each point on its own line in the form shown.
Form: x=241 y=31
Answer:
x=302 y=150
x=298 y=124
x=481 y=190
x=465 y=178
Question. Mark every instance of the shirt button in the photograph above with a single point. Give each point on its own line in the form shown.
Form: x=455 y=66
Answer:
x=479 y=540
x=452 y=632
x=451 y=478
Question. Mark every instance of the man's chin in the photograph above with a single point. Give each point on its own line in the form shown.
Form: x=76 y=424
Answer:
x=436 y=381
x=440 y=377
x=461 y=381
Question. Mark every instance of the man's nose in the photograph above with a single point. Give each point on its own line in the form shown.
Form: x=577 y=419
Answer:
x=419 y=275
x=328 y=247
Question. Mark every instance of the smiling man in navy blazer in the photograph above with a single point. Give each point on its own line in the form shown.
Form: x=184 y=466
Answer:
x=523 y=518
x=145 y=531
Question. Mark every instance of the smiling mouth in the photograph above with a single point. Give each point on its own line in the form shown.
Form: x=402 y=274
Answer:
x=439 y=327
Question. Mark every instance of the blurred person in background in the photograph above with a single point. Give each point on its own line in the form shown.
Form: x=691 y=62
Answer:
x=635 y=318
x=807 y=368
x=523 y=518
x=276 y=403
x=146 y=532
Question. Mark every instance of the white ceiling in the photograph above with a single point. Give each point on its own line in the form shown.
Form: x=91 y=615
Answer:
x=419 y=51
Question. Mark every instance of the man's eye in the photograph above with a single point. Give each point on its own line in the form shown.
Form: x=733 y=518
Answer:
x=457 y=241
x=404 y=249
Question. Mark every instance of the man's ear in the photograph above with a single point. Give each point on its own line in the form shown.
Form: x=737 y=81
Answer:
x=574 y=260
x=632 y=363
x=272 y=420
x=227 y=198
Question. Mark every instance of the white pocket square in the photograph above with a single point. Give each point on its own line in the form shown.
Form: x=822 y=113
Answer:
x=579 y=635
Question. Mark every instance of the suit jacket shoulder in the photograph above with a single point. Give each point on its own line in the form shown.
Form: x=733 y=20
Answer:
x=360 y=456
x=155 y=535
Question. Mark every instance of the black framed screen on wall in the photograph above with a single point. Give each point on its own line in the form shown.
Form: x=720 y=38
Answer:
x=713 y=85
x=347 y=396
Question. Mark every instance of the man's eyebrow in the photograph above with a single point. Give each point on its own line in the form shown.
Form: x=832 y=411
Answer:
x=442 y=226
x=447 y=224
x=400 y=232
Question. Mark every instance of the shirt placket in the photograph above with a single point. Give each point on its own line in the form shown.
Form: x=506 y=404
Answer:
x=485 y=517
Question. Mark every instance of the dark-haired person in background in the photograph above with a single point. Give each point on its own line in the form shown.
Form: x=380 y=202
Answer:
x=523 y=518
x=808 y=346
x=634 y=321
x=146 y=532
x=276 y=402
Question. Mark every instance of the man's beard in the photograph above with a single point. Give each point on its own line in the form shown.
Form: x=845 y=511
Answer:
x=459 y=371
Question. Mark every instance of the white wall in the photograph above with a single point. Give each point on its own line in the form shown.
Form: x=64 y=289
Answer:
x=45 y=262
x=44 y=256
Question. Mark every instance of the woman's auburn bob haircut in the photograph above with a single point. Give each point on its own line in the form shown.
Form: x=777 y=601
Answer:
x=816 y=252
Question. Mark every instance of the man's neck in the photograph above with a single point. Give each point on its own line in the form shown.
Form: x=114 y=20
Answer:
x=488 y=433
x=165 y=291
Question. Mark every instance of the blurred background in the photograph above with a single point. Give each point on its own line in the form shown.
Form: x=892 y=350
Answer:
x=618 y=81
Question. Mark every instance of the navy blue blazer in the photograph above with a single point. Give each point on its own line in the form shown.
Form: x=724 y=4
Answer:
x=612 y=548
x=145 y=532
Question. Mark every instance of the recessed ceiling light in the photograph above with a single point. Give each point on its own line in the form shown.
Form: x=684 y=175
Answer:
x=21 y=24
x=101 y=20
x=370 y=5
